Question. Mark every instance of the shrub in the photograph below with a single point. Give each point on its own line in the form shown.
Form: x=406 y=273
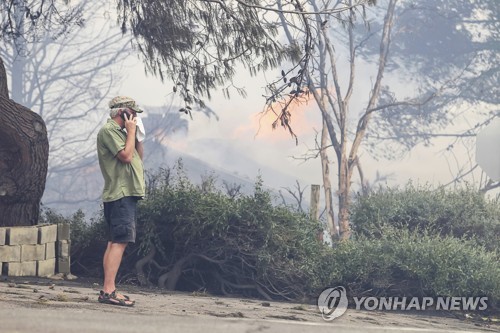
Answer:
x=404 y=263
x=462 y=213
x=86 y=237
x=410 y=242
x=194 y=237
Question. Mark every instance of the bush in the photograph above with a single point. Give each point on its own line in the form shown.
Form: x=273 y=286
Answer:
x=462 y=213
x=404 y=263
x=196 y=237
x=410 y=242
x=86 y=237
x=421 y=241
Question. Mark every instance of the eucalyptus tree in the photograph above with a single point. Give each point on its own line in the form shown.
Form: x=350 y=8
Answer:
x=452 y=56
x=67 y=80
x=197 y=44
x=23 y=160
x=24 y=145
x=400 y=41
x=333 y=93
x=60 y=67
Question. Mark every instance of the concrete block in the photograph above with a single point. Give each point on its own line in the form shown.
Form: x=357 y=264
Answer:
x=46 y=267
x=3 y=234
x=63 y=265
x=63 y=231
x=27 y=268
x=63 y=248
x=22 y=235
x=32 y=252
x=50 y=250
x=47 y=233
x=10 y=253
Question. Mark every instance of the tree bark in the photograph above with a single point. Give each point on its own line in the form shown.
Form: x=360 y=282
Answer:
x=24 y=151
x=169 y=280
x=345 y=175
x=325 y=164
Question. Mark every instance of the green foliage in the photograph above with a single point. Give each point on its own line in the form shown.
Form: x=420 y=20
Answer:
x=462 y=213
x=198 y=44
x=421 y=241
x=416 y=242
x=227 y=244
x=404 y=263
x=86 y=237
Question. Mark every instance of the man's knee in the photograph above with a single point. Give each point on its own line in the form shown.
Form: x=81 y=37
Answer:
x=117 y=246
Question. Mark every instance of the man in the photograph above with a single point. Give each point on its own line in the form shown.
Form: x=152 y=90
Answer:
x=120 y=159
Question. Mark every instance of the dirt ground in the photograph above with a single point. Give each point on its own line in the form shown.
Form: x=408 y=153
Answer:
x=39 y=293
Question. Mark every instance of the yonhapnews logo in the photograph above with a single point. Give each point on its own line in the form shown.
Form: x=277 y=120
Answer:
x=332 y=303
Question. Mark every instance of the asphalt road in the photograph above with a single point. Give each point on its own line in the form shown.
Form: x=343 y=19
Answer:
x=53 y=321
x=53 y=307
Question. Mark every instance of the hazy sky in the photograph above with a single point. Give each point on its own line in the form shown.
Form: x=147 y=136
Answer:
x=242 y=127
x=240 y=139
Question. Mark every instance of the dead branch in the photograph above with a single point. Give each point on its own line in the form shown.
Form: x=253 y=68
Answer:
x=256 y=287
x=490 y=185
x=298 y=196
x=169 y=280
x=139 y=265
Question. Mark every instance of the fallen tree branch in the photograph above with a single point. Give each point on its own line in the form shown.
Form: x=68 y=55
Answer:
x=139 y=265
x=241 y=286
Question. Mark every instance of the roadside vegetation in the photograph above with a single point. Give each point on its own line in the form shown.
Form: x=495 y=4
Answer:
x=410 y=241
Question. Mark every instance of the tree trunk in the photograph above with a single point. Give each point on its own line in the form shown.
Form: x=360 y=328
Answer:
x=346 y=161
x=24 y=151
x=330 y=220
x=344 y=198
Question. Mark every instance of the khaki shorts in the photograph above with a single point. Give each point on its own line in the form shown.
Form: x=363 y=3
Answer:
x=120 y=216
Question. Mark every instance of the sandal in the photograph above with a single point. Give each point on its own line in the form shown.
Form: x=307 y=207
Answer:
x=111 y=298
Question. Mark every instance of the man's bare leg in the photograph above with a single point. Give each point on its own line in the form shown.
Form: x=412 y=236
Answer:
x=111 y=263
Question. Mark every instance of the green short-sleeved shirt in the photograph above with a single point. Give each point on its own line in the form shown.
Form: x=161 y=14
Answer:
x=120 y=179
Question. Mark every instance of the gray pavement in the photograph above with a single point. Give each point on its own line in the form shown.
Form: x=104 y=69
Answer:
x=52 y=307
x=78 y=321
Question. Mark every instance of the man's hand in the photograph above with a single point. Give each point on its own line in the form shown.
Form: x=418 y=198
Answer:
x=130 y=124
x=125 y=155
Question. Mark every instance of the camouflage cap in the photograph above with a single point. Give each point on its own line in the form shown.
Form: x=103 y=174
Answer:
x=124 y=102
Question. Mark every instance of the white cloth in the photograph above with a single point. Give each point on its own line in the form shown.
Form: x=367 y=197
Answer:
x=140 y=133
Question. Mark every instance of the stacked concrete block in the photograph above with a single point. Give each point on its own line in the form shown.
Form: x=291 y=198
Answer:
x=63 y=248
x=3 y=232
x=47 y=237
x=10 y=255
x=17 y=240
x=35 y=250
